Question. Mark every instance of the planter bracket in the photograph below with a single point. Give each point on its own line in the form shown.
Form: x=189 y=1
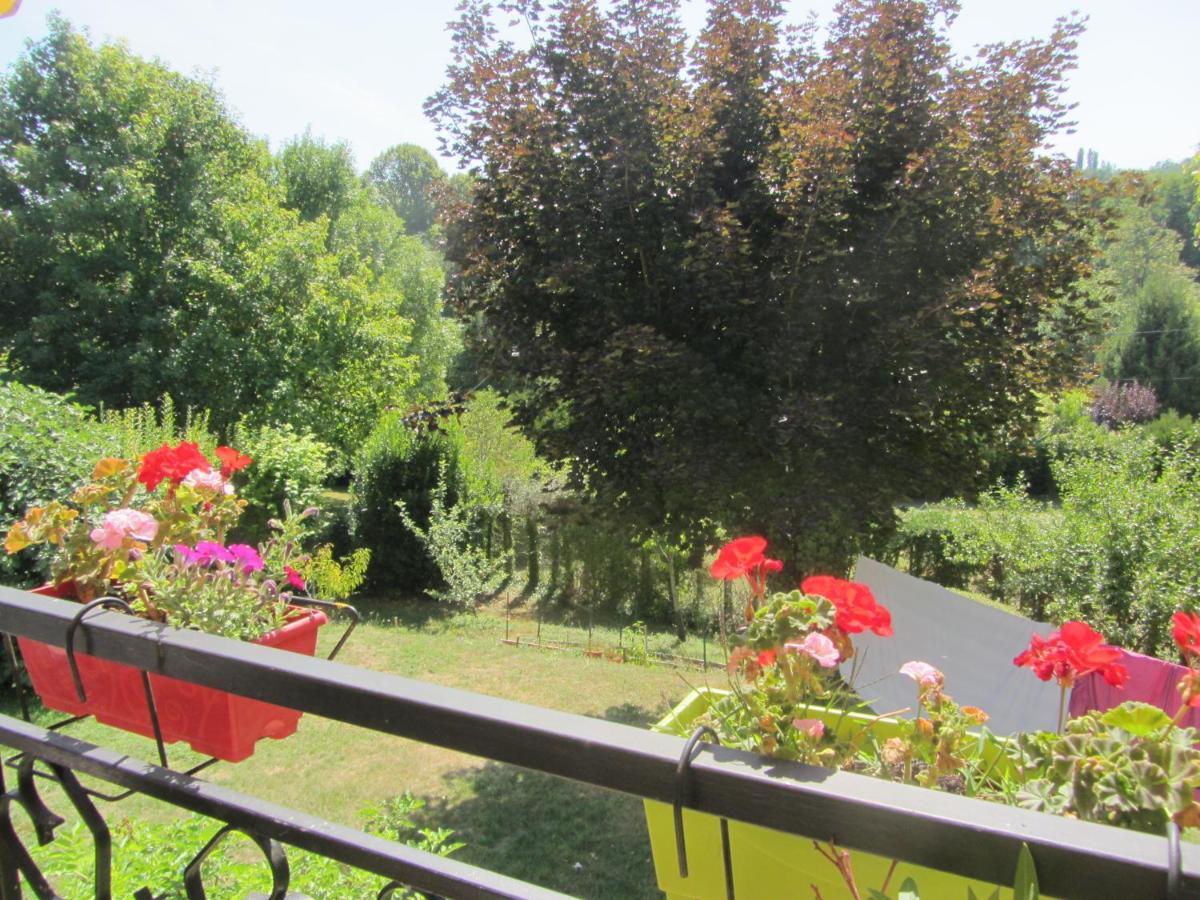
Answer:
x=76 y=621
x=682 y=785
x=1174 y=864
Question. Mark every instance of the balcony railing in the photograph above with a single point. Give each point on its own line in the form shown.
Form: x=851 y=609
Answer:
x=968 y=837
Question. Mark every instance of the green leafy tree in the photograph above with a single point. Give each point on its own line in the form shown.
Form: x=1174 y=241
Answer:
x=405 y=177
x=1157 y=342
x=146 y=249
x=318 y=178
x=1176 y=204
x=763 y=282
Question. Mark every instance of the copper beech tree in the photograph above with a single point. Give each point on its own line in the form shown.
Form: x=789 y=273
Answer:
x=757 y=280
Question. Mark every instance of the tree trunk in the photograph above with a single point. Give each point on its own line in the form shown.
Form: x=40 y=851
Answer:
x=532 y=556
x=506 y=541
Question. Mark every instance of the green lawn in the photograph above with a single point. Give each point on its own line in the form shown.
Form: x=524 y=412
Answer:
x=576 y=839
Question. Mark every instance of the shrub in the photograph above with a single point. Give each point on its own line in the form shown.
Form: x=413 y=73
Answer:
x=140 y=429
x=1171 y=430
x=150 y=853
x=48 y=445
x=399 y=464
x=933 y=539
x=332 y=579
x=288 y=465
x=453 y=541
x=1125 y=404
x=1122 y=550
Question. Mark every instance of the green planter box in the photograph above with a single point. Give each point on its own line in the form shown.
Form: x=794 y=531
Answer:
x=769 y=863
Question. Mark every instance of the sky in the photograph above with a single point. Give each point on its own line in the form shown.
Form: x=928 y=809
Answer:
x=359 y=70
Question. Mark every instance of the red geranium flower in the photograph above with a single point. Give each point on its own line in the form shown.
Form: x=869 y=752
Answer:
x=1186 y=631
x=172 y=464
x=232 y=461
x=744 y=558
x=857 y=609
x=766 y=658
x=1068 y=654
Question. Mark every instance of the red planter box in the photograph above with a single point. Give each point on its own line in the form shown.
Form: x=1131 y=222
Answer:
x=215 y=723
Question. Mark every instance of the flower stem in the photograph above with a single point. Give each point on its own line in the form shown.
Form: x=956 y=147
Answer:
x=1062 y=706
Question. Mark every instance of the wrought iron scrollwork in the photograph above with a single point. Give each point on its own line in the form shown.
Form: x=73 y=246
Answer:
x=276 y=856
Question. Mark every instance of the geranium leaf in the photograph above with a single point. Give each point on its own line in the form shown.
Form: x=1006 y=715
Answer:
x=1139 y=719
x=110 y=465
x=909 y=890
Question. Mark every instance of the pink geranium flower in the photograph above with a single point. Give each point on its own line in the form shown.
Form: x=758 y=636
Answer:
x=120 y=524
x=923 y=674
x=814 y=728
x=208 y=481
x=816 y=646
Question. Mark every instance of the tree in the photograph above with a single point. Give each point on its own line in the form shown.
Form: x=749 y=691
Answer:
x=765 y=284
x=405 y=177
x=318 y=178
x=145 y=249
x=1176 y=205
x=1157 y=341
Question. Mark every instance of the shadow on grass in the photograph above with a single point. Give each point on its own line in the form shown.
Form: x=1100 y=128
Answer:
x=407 y=610
x=632 y=714
x=570 y=837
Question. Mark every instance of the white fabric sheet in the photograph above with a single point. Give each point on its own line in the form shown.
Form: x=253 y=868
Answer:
x=971 y=643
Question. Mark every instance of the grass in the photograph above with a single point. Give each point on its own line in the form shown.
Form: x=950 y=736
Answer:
x=570 y=837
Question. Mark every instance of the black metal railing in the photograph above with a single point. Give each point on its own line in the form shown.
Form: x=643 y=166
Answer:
x=968 y=837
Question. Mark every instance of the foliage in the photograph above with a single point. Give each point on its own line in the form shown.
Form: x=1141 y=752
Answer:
x=452 y=541
x=154 y=535
x=318 y=178
x=152 y=854
x=763 y=275
x=402 y=275
x=1176 y=204
x=932 y=537
x=140 y=429
x=289 y=466
x=1125 y=404
x=1158 y=340
x=500 y=467
x=1149 y=299
x=405 y=178
x=48 y=446
x=397 y=463
x=331 y=579
x=146 y=249
x=1130 y=766
x=1119 y=550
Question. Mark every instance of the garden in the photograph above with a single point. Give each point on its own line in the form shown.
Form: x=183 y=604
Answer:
x=600 y=426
